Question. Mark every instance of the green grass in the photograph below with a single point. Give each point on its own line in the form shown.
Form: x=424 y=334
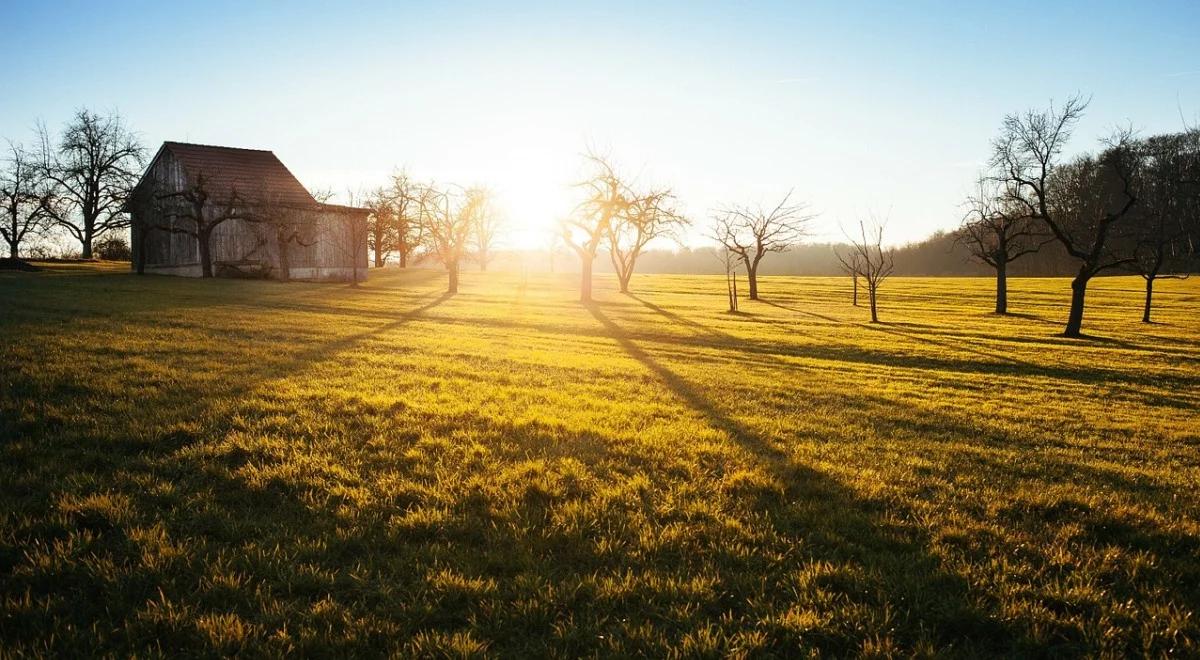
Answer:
x=224 y=466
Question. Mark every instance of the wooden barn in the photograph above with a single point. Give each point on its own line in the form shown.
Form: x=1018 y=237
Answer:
x=202 y=210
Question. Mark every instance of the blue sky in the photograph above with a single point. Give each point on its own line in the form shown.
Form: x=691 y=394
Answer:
x=862 y=107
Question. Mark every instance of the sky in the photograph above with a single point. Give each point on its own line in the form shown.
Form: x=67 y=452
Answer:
x=858 y=108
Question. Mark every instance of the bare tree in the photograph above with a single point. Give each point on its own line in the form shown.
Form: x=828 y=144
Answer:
x=997 y=232
x=201 y=214
x=851 y=264
x=489 y=222
x=646 y=217
x=381 y=225
x=586 y=228
x=94 y=167
x=285 y=226
x=448 y=217
x=1163 y=240
x=1081 y=204
x=752 y=232
x=25 y=197
x=874 y=263
x=352 y=231
x=408 y=198
x=729 y=261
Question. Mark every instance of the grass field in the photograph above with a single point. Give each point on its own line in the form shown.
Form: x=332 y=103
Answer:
x=226 y=466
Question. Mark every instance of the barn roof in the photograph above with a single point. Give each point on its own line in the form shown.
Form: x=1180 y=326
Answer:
x=250 y=172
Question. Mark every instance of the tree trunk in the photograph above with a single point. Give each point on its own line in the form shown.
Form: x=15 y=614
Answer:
x=378 y=258
x=733 y=300
x=12 y=247
x=752 y=278
x=453 y=286
x=585 y=279
x=206 y=269
x=624 y=279
x=404 y=258
x=86 y=251
x=874 y=312
x=1002 y=288
x=1078 y=291
x=855 y=278
x=1149 y=298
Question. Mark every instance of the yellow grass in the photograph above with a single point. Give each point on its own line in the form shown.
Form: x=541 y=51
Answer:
x=230 y=466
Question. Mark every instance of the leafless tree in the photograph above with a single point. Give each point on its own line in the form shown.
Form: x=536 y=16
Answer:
x=1164 y=237
x=874 y=262
x=753 y=232
x=489 y=222
x=851 y=264
x=448 y=216
x=997 y=232
x=729 y=261
x=646 y=217
x=25 y=198
x=408 y=198
x=1080 y=204
x=286 y=226
x=381 y=225
x=352 y=232
x=606 y=197
x=200 y=212
x=94 y=167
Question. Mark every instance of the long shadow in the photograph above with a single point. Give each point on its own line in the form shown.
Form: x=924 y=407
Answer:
x=946 y=344
x=867 y=356
x=797 y=310
x=681 y=320
x=908 y=573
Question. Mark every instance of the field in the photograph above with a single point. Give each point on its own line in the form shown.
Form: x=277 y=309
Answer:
x=234 y=466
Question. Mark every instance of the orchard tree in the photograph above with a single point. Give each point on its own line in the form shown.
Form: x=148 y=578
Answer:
x=488 y=225
x=751 y=233
x=201 y=214
x=93 y=169
x=1164 y=237
x=448 y=216
x=873 y=262
x=852 y=266
x=408 y=199
x=25 y=199
x=997 y=232
x=1082 y=203
x=646 y=217
x=606 y=198
x=381 y=225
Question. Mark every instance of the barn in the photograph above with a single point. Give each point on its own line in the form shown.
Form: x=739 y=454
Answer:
x=203 y=210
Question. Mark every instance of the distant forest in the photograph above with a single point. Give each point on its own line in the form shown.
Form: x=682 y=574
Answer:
x=938 y=255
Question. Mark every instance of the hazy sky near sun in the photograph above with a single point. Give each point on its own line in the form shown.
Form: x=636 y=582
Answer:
x=884 y=107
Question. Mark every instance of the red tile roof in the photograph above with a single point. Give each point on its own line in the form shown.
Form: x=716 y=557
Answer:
x=253 y=173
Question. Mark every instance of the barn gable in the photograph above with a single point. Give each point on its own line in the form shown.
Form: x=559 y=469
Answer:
x=249 y=172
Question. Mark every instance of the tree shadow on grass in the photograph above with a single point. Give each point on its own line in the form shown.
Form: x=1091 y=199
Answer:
x=797 y=310
x=931 y=605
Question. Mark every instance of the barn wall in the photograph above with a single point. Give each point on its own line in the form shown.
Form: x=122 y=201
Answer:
x=240 y=247
x=165 y=248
